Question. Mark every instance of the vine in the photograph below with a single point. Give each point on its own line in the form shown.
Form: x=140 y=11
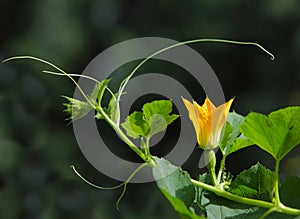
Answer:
x=254 y=192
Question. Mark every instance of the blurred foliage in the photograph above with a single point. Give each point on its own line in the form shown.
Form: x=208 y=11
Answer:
x=36 y=145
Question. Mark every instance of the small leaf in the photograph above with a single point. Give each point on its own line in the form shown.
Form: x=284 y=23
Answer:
x=98 y=91
x=256 y=182
x=232 y=140
x=277 y=133
x=76 y=108
x=160 y=107
x=153 y=119
x=135 y=125
x=290 y=192
x=112 y=109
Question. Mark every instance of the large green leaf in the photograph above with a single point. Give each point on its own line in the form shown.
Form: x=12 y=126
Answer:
x=277 y=133
x=174 y=180
x=154 y=118
x=256 y=182
x=277 y=215
x=182 y=210
x=232 y=140
x=177 y=187
x=290 y=192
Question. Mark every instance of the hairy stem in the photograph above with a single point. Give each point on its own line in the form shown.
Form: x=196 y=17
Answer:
x=276 y=182
x=148 y=154
x=231 y=196
x=248 y=201
x=210 y=160
x=122 y=135
x=222 y=166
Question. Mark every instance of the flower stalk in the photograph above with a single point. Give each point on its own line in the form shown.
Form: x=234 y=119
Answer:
x=210 y=160
x=221 y=169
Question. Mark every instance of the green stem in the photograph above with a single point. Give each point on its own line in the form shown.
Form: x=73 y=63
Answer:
x=122 y=135
x=213 y=174
x=276 y=182
x=210 y=159
x=148 y=154
x=287 y=210
x=231 y=196
x=222 y=166
x=248 y=201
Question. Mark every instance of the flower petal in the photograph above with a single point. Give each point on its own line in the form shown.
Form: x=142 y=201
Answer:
x=193 y=115
x=209 y=105
x=208 y=121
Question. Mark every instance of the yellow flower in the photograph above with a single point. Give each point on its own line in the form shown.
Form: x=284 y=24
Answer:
x=208 y=121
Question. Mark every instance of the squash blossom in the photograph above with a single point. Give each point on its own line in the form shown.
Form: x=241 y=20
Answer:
x=208 y=121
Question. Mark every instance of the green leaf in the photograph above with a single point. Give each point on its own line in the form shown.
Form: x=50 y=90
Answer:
x=232 y=140
x=98 y=91
x=290 y=192
x=177 y=187
x=175 y=181
x=157 y=115
x=112 y=110
x=180 y=207
x=277 y=215
x=157 y=123
x=216 y=207
x=277 y=133
x=136 y=125
x=76 y=108
x=153 y=119
x=161 y=107
x=256 y=182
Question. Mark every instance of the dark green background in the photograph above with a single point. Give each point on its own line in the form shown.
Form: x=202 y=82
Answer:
x=36 y=145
